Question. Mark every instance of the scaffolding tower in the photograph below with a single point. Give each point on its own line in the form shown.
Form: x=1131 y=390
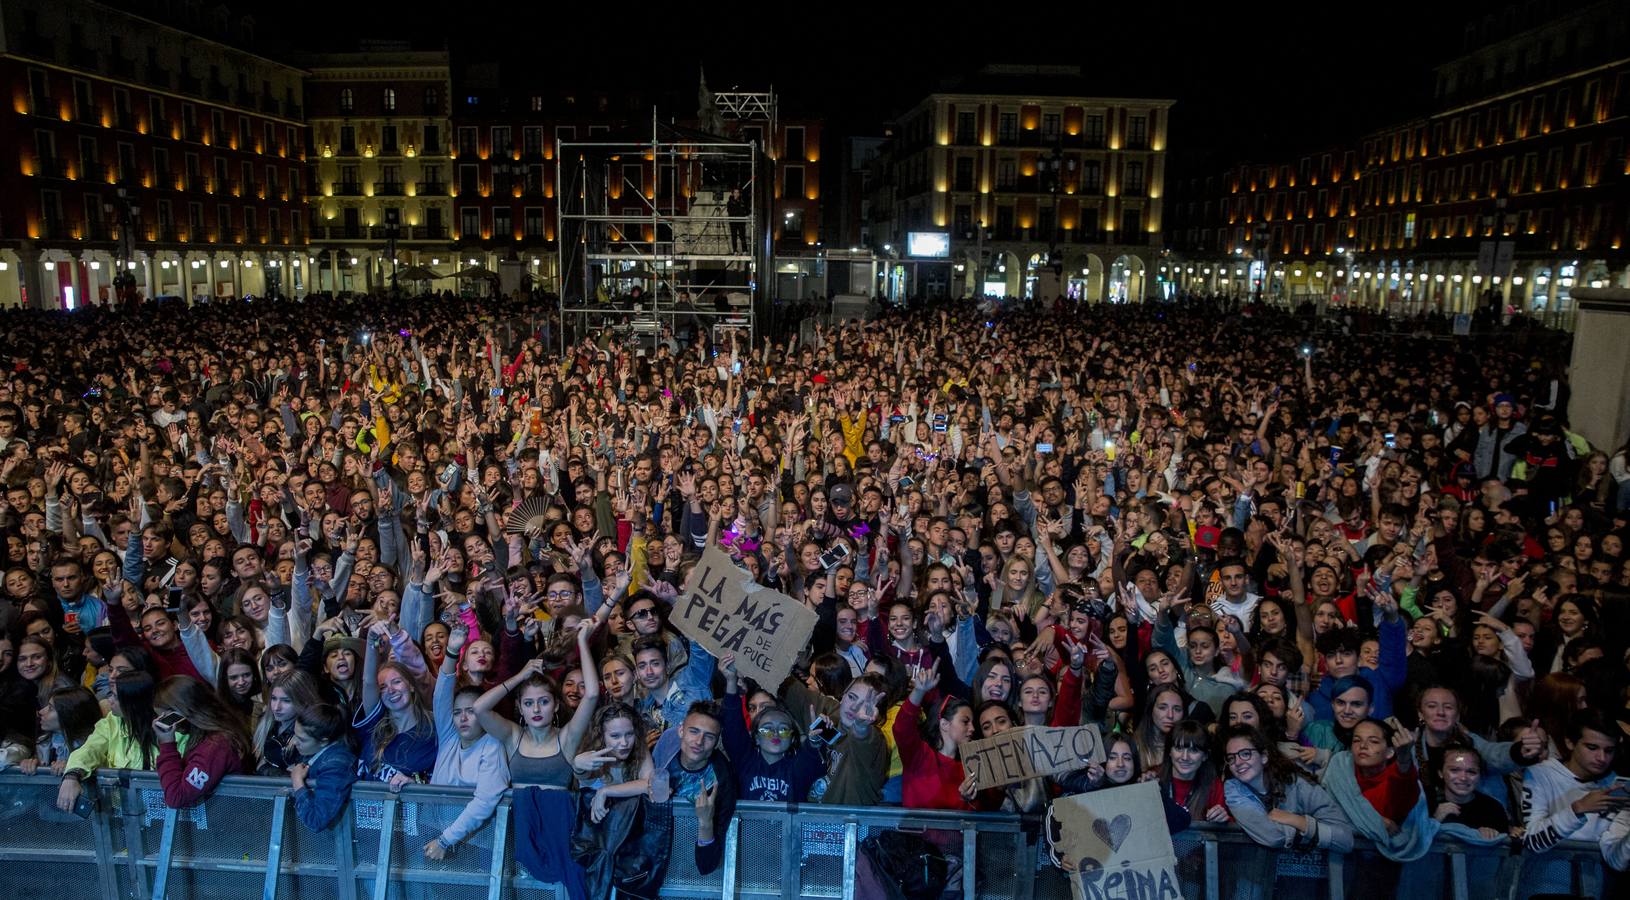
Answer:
x=659 y=215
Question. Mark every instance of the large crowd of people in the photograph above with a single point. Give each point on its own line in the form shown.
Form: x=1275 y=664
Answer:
x=1316 y=585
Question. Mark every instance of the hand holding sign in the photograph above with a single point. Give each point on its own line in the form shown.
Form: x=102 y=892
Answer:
x=722 y=609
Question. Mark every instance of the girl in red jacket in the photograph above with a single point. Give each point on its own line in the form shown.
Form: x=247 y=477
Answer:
x=220 y=745
x=933 y=775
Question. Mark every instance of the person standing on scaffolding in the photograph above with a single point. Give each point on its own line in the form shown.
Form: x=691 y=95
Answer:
x=736 y=206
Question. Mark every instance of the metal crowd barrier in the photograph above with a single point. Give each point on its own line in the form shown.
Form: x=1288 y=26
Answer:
x=245 y=842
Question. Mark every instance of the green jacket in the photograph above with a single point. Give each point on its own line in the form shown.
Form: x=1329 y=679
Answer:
x=110 y=746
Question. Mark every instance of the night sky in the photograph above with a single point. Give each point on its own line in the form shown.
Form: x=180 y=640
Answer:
x=1245 y=82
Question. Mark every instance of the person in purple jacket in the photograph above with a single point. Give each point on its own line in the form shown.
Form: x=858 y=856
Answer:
x=772 y=763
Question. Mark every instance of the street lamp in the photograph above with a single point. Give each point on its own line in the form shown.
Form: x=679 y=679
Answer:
x=1051 y=169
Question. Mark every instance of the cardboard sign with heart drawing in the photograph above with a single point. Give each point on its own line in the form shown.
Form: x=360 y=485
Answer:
x=1116 y=843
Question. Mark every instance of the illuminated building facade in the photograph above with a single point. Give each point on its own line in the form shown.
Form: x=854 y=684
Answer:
x=382 y=164
x=130 y=144
x=1044 y=189
x=1512 y=189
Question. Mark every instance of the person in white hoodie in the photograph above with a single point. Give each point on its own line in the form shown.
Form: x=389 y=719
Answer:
x=466 y=756
x=1577 y=799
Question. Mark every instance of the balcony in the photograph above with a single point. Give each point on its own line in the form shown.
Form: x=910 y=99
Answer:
x=124 y=120
x=424 y=233
x=42 y=105
x=388 y=189
x=193 y=132
x=50 y=167
x=122 y=67
x=87 y=115
x=190 y=84
x=130 y=177
x=431 y=189
x=219 y=92
x=160 y=77
x=97 y=231
x=1135 y=190
x=95 y=172
x=275 y=236
x=347 y=189
x=431 y=149
x=167 y=234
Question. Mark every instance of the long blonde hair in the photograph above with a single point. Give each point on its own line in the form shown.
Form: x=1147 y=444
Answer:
x=385 y=728
x=1027 y=598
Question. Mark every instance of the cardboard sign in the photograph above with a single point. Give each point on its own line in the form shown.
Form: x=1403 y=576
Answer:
x=1031 y=752
x=1117 y=843
x=724 y=610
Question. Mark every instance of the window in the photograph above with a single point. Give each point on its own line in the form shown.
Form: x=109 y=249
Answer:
x=469 y=222
x=1134 y=179
x=1095 y=130
x=1092 y=177
x=1006 y=175
x=532 y=223
x=532 y=140
x=792 y=182
x=432 y=140
x=467 y=183
x=390 y=99
x=220 y=174
x=502 y=226
x=251 y=229
x=246 y=138
x=964 y=173
x=466 y=141
x=348 y=140
x=1004 y=223
x=1049 y=127
x=127 y=163
x=1008 y=127
x=565 y=133
x=84 y=101
x=223 y=222
x=792 y=223
x=391 y=178
x=387 y=140
x=39 y=93
x=195 y=221
x=965 y=125
x=272 y=188
x=161 y=167
x=155 y=114
x=90 y=159
x=1137 y=132
x=537 y=103
x=501 y=143
x=795 y=142
x=432 y=101
x=247 y=179
x=347 y=100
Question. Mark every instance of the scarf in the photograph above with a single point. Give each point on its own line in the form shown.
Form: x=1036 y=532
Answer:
x=1415 y=834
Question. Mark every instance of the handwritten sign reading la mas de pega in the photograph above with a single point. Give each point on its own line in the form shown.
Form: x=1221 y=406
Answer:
x=1031 y=752
x=765 y=629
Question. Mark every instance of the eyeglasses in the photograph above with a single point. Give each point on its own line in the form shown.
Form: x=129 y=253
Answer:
x=561 y=595
x=647 y=612
x=780 y=731
x=1245 y=755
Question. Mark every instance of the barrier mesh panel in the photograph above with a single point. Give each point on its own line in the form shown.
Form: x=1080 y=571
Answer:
x=999 y=857
x=758 y=857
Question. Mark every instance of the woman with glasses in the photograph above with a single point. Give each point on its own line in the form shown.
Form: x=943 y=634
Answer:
x=1273 y=801
x=772 y=762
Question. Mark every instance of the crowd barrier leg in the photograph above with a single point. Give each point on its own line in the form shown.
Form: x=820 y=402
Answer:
x=727 y=873
x=500 y=852
x=970 y=853
x=345 y=880
x=382 y=860
x=1336 y=862
x=851 y=849
x=791 y=856
x=133 y=838
x=274 y=847
x=102 y=833
x=166 y=850
x=1212 y=869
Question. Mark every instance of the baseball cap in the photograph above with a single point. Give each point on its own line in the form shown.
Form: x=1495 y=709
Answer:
x=842 y=495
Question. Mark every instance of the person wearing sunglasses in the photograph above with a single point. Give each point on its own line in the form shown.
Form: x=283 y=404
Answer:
x=772 y=762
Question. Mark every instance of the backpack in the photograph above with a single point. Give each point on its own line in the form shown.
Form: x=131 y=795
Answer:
x=909 y=861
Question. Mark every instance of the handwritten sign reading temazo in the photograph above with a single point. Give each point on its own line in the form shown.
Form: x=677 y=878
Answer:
x=724 y=610
x=1031 y=752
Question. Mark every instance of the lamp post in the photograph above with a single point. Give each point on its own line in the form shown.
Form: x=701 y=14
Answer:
x=1051 y=168
x=393 y=227
x=124 y=281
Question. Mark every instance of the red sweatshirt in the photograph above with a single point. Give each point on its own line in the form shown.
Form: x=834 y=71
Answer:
x=931 y=779
x=188 y=781
x=1392 y=792
x=173 y=661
